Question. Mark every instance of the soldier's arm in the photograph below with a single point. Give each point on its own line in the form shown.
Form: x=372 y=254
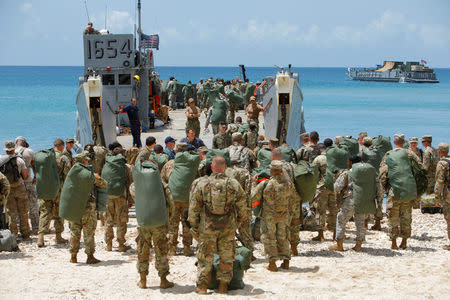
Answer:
x=195 y=207
x=427 y=160
x=99 y=182
x=240 y=202
x=341 y=182
x=5 y=186
x=295 y=204
x=383 y=162
x=441 y=170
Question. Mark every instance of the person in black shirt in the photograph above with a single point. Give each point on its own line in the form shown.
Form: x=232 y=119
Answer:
x=135 y=123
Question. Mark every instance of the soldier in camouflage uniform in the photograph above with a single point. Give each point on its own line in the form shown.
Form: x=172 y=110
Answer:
x=146 y=151
x=398 y=212
x=90 y=30
x=217 y=205
x=278 y=196
x=413 y=142
x=49 y=208
x=222 y=139
x=68 y=150
x=442 y=190
x=117 y=212
x=308 y=151
x=430 y=159
x=88 y=222
x=251 y=136
x=239 y=154
x=193 y=115
x=4 y=192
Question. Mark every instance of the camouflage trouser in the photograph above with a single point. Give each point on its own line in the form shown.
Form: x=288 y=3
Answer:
x=275 y=237
x=256 y=120
x=178 y=215
x=345 y=213
x=294 y=226
x=88 y=225
x=50 y=211
x=33 y=205
x=172 y=100
x=431 y=183
x=379 y=210
x=193 y=124
x=325 y=200
x=222 y=243
x=446 y=211
x=117 y=214
x=215 y=128
x=231 y=113
x=144 y=242
x=17 y=206
x=399 y=216
x=245 y=232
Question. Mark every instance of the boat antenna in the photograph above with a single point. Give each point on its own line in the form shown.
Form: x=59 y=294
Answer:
x=87 y=12
x=139 y=24
x=106 y=11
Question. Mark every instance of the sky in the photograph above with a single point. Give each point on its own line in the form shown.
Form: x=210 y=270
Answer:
x=228 y=33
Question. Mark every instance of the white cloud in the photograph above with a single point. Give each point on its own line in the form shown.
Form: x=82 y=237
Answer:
x=118 y=22
x=26 y=7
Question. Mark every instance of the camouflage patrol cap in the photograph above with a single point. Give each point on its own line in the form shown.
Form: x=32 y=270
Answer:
x=20 y=138
x=399 y=137
x=70 y=140
x=9 y=146
x=236 y=137
x=443 y=147
x=182 y=147
x=362 y=134
x=427 y=138
x=276 y=166
x=367 y=141
x=413 y=139
x=79 y=158
x=304 y=135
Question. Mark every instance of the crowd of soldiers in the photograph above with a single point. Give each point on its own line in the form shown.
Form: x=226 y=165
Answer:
x=221 y=200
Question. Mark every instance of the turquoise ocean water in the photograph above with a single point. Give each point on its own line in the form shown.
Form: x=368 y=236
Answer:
x=39 y=102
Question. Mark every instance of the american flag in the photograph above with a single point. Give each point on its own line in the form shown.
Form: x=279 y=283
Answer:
x=150 y=41
x=423 y=62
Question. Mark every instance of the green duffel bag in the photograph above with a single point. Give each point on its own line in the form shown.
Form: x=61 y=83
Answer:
x=364 y=177
x=337 y=159
x=161 y=159
x=306 y=176
x=219 y=111
x=241 y=263
x=234 y=97
x=149 y=198
x=265 y=157
x=114 y=172
x=225 y=153
x=352 y=145
x=249 y=91
x=420 y=176
x=288 y=154
x=383 y=143
x=244 y=128
x=75 y=192
x=400 y=174
x=47 y=179
x=184 y=172
x=372 y=156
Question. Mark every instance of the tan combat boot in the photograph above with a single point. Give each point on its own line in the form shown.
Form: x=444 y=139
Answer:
x=294 y=250
x=285 y=264
x=357 y=247
x=142 y=283
x=40 y=242
x=109 y=246
x=91 y=260
x=201 y=289
x=403 y=243
x=319 y=237
x=376 y=226
x=394 y=244
x=165 y=284
x=187 y=251
x=338 y=247
x=446 y=247
x=124 y=248
x=73 y=258
x=223 y=287
x=272 y=266
x=59 y=239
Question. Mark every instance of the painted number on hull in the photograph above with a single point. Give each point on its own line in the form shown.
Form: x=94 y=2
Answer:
x=108 y=50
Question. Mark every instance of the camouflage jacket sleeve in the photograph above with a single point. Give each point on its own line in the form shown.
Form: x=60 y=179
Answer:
x=195 y=205
x=100 y=183
x=257 y=193
x=428 y=159
x=64 y=166
x=295 y=203
x=165 y=173
x=4 y=187
x=412 y=155
x=442 y=170
x=240 y=201
x=342 y=182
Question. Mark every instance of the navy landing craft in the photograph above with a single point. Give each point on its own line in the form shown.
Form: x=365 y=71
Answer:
x=396 y=71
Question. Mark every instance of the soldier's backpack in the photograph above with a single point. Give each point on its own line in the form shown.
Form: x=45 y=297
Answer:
x=225 y=153
x=337 y=159
x=372 y=156
x=288 y=154
x=306 y=176
x=47 y=179
x=114 y=172
x=75 y=193
x=239 y=156
x=9 y=168
x=219 y=192
x=184 y=171
x=400 y=174
x=383 y=143
x=420 y=176
x=352 y=145
x=364 y=176
x=149 y=196
x=8 y=241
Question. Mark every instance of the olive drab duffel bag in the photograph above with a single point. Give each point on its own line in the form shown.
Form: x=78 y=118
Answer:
x=372 y=156
x=383 y=143
x=160 y=158
x=288 y=154
x=225 y=153
x=75 y=192
x=364 y=176
x=114 y=172
x=219 y=111
x=265 y=157
x=306 y=176
x=351 y=144
x=401 y=177
x=47 y=179
x=184 y=172
x=149 y=198
x=337 y=159
x=234 y=97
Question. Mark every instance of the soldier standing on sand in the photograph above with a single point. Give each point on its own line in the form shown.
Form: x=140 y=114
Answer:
x=251 y=137
x=68 y=150
x=217 y=205
x=430 y=159
x=192 y=115
x=4 y=192
x=222 y=139
x=413 y=142
x=442 y=190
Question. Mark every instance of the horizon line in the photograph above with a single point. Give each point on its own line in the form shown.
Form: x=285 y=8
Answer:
x=210 y=66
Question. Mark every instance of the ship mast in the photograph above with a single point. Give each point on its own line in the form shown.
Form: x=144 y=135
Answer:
x=139 y=25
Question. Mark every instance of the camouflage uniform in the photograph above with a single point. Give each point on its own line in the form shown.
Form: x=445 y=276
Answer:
x=88 y=224
x=214 y=212
x=344 y=184
x=443 y=188
x=307 y=153
x=278 y=196
x=193 y=123
x=49 y=208
x=251 y=139
x=4 y=188
x=144 y=154
x=221 y=141
x=117 y=213
x=430 y=159
x=398 y=212
x=144 y=241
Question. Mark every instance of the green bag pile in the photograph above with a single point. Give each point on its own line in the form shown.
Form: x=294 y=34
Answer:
x=75 y=192
x=225 y=153
x=352 y=145
x=149 y=198
x=47 y=179
x=114 y=172
x=184 y=172
x=383 y=143
x=337 y=159
x=305 y=177
x=400 y=174
x=288 y=154
x=364 y=177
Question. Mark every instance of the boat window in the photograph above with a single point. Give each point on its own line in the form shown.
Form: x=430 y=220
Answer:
x=124 y=79
x=283 y=98
x=108 y=79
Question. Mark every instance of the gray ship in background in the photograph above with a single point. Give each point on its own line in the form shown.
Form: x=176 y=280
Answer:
x=396 y=71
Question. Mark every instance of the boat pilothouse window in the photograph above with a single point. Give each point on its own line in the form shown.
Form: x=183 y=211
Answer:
x=124 y=79
x=108 y=79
